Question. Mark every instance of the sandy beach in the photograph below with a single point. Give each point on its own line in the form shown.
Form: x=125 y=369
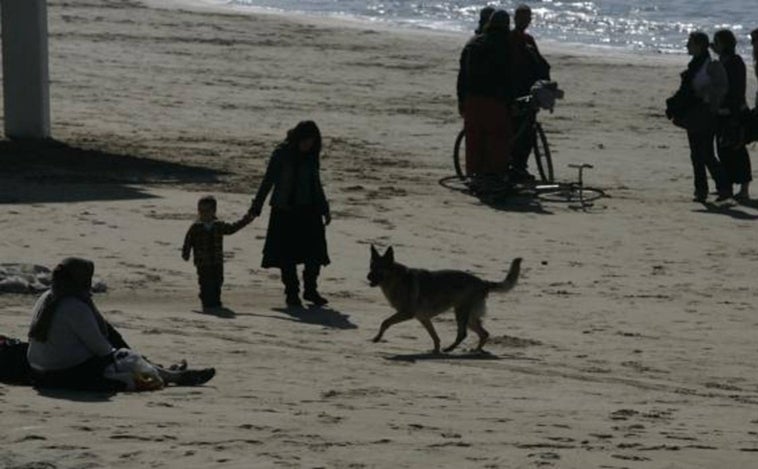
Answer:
x=629 y=342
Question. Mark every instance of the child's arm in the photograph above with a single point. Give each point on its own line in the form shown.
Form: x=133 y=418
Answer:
x=231 y=228
x=188 y=243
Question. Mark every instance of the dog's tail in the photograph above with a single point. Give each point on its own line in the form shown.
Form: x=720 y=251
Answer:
x=510 y=280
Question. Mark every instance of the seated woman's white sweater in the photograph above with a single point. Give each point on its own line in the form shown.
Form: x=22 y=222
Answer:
x=73 y=338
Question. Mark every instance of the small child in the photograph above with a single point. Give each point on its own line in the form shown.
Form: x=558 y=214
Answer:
x=206 y=238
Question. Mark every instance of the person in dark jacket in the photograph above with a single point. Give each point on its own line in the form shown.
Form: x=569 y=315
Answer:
x=700 y=93
x=299 y=213
x=484 y=97
x=205 y=238
x=731 y=143
x=528 y=67
x=754 y=42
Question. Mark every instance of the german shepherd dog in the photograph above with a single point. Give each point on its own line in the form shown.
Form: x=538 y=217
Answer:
x=423 y=294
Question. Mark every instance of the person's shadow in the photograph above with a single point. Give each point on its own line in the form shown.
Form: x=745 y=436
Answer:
x=318 y=315
x=731 y=211
x=222 y=312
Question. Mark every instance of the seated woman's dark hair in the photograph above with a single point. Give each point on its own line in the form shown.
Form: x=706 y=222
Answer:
x=303 y=131
x=700 y=38
x=484 y=17
x=72 y=277
x=727 y=40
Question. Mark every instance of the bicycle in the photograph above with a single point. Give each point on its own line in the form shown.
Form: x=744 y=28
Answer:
x=528 y=106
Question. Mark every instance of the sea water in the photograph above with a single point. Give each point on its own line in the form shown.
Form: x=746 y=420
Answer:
x=658 y=26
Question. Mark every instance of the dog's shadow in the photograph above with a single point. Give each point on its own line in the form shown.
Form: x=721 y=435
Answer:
x=429 y=356
x=318 y=315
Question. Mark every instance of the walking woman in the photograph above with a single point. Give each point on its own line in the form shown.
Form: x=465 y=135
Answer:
x=299 y=213
x=731 y=142
x=693 y=108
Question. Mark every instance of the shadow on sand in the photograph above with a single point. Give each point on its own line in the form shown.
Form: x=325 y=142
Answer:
x=429 y=356
x=321 y=316
x=53 y=171
x=75 y=396
x=730 y=211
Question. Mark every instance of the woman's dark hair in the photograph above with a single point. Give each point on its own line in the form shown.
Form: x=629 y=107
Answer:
x=754 y=40
x=700 y=38
x=500 y=21
x=484 y=18
x=727 y=40
x=72 y=277
x=303 y=131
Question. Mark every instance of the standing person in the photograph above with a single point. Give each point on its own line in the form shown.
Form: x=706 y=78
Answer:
x=299 y=213
x=528 y=67
x=731 y=143
x=205 y=238
x=693 y=108
x=484 y=96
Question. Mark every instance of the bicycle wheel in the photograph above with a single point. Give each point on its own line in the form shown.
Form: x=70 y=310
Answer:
x=457 y=154
x=571 y=193
x=542 y=155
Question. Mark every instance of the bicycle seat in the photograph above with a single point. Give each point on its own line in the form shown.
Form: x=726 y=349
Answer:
x=582 y=166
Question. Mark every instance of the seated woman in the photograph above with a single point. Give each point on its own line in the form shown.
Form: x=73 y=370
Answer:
x=71 y=344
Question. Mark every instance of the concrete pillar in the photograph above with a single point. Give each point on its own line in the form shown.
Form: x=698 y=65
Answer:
x=26 y=92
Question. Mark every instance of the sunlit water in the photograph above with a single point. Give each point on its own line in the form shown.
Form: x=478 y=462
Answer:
x=645 y=25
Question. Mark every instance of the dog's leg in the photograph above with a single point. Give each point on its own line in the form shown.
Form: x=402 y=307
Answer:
x=427 y=323
x=476 y=326
x=392 y=320
x=461 y=317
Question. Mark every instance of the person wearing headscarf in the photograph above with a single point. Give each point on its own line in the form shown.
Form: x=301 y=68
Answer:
x=299 y=213
x=484 y=17
x=71 y=344
x=484 y=97
x=733 y=111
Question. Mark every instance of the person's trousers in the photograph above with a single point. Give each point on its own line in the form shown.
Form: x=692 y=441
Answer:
x=210 y=278
x=310 y=278
x=736 y=162
x=703 y=157
x=523 y=143
x=487 y=124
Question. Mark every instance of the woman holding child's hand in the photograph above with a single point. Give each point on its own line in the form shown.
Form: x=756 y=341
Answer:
x=299 y=212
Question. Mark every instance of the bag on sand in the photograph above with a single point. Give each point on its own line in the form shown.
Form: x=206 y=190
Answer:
x=131 y=369
x=14 y=366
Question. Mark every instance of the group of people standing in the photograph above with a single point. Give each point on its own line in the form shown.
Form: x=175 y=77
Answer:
x=497 y=66
x=711 y=105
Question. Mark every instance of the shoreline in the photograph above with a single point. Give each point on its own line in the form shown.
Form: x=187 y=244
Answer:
x=549 y=46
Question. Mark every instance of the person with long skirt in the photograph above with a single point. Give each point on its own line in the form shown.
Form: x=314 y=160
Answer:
x=299 y=213
x=734 y=110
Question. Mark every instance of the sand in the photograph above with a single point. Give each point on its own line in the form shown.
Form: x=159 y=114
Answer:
x=629 y=342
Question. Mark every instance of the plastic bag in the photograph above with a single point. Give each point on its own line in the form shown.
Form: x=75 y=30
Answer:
x=131 y=369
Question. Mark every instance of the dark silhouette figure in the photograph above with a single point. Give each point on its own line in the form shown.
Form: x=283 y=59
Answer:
x=205 y=239
x=484 y=97
x=528 y=67
x=484 y=18
x=692 y=107
x=299 y=213
x=733 y=112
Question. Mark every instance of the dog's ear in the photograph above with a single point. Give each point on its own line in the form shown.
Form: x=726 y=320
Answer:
x=374 y=253
x=389 y=254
